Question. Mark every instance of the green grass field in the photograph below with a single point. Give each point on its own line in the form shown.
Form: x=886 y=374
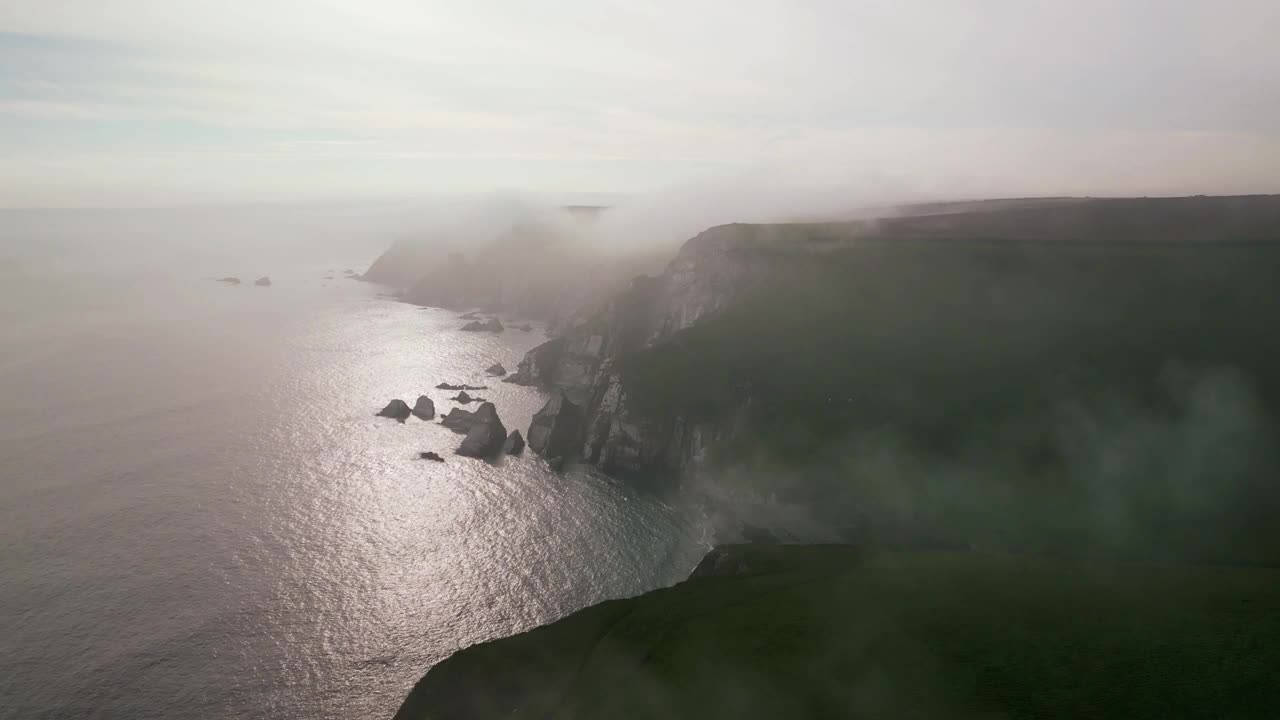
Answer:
x=832 y=632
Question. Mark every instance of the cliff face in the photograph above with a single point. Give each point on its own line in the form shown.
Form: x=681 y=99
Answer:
x=710 y=273
x=793 y=322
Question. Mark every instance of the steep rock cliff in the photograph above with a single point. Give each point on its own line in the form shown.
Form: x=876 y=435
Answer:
x=709 y=274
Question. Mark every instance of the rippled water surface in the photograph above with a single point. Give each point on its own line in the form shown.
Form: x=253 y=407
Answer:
x=201 y=517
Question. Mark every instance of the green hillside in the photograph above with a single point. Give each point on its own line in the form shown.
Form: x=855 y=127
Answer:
x=829 y=632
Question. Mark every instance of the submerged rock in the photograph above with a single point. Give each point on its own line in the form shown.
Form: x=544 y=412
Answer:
x=424 y=408
x=555 y=429
x=397 y=409
x=430 y=456
x=447 y=386
x=229 y=280
x=514 y=444
x=493 y=325
x=486 y=436
x=525 y=327
x=263 y=281
x=496 y=369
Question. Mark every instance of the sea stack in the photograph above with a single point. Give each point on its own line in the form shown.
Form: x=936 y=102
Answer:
x=555 y=428
x=424 y=409
x=487 y=436
x=397 y=409
x=514 y=444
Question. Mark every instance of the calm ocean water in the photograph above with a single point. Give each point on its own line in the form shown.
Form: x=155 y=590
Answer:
x=200 y=516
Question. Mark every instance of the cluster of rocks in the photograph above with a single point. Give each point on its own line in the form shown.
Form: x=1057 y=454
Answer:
x=447 y=386
x=486 y=436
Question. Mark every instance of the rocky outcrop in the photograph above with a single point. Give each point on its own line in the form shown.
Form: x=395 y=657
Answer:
x=493 y=325
x=496 y=370
x=459 y=420
x=447 y=386
x=464 y=398
x=263 y=281
x=539 y=366
x=424 y=409
x=486 y=436
x=434 y=457
x=556 y=428
x=397 y=409
x=514 y=444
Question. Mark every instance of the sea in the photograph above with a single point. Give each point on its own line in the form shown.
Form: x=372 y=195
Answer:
x=200 y=514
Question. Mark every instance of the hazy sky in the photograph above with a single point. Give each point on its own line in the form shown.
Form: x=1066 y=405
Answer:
x=140 y=101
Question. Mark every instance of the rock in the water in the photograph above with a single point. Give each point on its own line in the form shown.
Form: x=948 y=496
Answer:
x=230 y=280
x=514 y=444
x=263 y=281
x=397 y=409
x=496 y=369
x=525 y=327
x=424 y=408
x=556 y=463
x=430 y=456
x=348 y=271
x=486 y=436
x=447 y=386
x=493 y=325
x=555 y=429
x=459 y=420
x=463 y=398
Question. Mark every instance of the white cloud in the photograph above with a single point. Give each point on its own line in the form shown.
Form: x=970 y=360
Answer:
x=300 y=96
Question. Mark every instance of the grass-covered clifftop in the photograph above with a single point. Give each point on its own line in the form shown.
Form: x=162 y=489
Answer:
x=1059 y=396
x=831 y=632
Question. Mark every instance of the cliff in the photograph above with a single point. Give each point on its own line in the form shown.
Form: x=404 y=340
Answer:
x=1059 y=380
x=710 y=274
x=829 y=631
x=539 y=264
x=740 y=294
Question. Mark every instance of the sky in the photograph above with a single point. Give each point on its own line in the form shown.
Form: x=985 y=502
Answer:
x=128 y=102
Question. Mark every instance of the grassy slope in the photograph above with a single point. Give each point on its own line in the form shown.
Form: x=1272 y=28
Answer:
x=1027 y=396
x=822 y=631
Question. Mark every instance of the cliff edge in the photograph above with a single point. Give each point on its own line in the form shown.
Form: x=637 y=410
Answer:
x=830 y=631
